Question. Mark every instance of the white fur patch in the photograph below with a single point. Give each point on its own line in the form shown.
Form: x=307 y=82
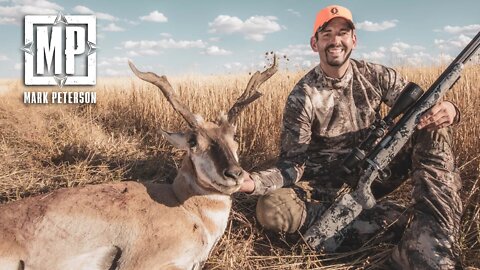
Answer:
x=220 y=218
x=100 y=258
x=9 y=264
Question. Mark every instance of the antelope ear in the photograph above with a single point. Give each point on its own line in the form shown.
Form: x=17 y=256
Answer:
x=177 y=139
x=223 y=121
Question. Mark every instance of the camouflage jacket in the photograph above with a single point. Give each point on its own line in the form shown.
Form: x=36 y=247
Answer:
x=324 y=118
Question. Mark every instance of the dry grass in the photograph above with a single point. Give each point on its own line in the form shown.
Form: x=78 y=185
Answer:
x=45 y=147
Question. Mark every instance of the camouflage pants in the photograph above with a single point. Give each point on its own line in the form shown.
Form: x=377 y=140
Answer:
x=429 y=227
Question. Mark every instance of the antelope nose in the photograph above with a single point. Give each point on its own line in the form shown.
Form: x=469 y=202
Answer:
x=233 y=172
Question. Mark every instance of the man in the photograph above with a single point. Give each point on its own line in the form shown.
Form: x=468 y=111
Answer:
x=326 y=115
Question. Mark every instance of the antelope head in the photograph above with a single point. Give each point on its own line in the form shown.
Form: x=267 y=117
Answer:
x=210 y=146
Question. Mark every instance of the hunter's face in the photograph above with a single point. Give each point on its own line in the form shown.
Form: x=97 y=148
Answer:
x=334 y=43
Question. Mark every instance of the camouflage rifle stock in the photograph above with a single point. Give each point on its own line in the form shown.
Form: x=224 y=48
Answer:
x=371 y=158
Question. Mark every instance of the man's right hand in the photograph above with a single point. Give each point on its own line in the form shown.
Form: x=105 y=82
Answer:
x=248 y=185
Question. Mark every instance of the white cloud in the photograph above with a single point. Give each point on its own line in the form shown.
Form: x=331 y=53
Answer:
x=6 y=20
x=294 y=12
x=214 y=39
x=132 y=53
x=3 y=57
x=149 y=52
x=444 y=58
x=105 y=16
x=83 y=10
x=154 y=16
x=254 y=28
x=457 y=42
x=99 y=15
x=461 y=41
x=420 y=59
x=115 y=72
x=234 y=65
x=17 y=66
x=113 y=60
x=132 y=22
x=116 y=61
x=163 y=44
x=297 y=56
x=14 y=14
x=118 y=66
x=297 y=50
x=112 y=27
x=406 y=54
x=214 y=50
x=373 y=26
x=374 y=55
x=225 y=24
x=467 y=29
x=400 y=53
x=166 y=35
x=400 y=47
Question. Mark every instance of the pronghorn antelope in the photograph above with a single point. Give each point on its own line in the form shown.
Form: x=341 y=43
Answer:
x=131 y=225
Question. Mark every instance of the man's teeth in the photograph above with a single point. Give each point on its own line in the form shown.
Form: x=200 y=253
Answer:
x=336 y=50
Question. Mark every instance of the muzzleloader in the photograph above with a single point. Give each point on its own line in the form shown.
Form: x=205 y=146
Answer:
x=369 y=161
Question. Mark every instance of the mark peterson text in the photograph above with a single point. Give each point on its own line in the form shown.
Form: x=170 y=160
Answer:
x=60 y=97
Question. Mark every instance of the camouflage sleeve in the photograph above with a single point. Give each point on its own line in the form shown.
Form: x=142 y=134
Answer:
x=390 y=83
x=457 y=117
x=295 y=138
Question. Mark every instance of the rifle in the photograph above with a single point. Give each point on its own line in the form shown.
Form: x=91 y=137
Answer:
x=370 y=159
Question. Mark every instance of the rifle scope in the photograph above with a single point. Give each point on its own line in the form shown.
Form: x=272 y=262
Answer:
x=410 y=94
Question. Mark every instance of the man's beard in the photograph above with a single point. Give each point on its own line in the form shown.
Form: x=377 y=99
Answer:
x=335 y=62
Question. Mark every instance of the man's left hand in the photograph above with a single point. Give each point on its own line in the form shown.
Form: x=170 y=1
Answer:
x=439 y=116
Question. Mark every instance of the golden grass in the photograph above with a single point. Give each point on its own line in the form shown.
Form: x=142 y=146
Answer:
x=45 y=147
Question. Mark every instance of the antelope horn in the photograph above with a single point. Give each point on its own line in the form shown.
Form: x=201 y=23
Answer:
x=167 y=90
x=251 y=93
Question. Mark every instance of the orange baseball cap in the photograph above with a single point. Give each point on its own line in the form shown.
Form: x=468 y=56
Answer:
x=330 y=12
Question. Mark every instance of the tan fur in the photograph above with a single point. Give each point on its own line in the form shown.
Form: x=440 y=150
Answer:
x=153 y=226
x=148 y=222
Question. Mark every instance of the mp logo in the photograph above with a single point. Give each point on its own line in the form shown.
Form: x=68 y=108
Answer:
x=60 y=50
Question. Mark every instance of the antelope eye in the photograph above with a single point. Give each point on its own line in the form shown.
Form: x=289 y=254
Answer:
x=236 y=138
x=192 y=142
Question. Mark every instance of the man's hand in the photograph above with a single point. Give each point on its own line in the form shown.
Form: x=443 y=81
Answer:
x=439 y=116
x=248 y=185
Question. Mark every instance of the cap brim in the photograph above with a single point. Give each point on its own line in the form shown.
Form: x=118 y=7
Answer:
x=352 y=25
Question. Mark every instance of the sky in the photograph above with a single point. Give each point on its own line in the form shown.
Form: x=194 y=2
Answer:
x=220 y=37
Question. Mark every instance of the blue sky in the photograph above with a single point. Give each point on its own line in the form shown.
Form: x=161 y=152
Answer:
x=217 y=37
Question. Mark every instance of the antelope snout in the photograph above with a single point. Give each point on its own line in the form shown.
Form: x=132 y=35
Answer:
x=233 y=172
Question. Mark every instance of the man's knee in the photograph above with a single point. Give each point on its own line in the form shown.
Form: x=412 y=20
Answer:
x=425 y=245
x=434 y=148
x=434 y=164
x=281 y=211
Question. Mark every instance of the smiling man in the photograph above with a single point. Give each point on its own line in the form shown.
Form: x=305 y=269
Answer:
x=327 y=114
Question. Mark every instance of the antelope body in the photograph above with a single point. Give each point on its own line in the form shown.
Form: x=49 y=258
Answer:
x=131 y=225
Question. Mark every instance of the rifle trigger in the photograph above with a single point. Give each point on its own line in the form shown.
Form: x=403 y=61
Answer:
x=384 y=174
